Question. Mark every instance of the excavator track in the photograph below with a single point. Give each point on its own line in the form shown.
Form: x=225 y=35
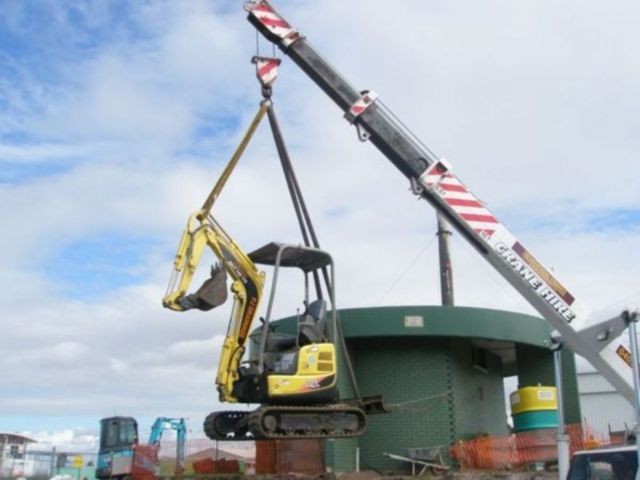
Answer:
x=227 y=425
x=278 y=422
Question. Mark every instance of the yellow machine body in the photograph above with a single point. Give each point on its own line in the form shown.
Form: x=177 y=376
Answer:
x=315 y=372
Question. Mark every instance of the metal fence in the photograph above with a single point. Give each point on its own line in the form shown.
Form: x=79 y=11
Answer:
x=33 y=463
x=202 y=455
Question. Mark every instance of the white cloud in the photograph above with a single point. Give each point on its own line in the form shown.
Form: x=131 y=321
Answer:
x=74 y=440
x=532 y=103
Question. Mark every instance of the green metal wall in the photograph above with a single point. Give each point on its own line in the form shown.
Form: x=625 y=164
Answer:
x=479 y=405
x=414 y=377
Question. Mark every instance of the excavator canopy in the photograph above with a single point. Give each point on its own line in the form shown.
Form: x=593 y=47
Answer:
x=306 y=259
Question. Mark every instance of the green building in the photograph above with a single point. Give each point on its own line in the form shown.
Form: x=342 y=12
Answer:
x=441 y=370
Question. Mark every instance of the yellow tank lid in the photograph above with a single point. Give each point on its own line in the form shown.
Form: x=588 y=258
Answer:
x=529 y=399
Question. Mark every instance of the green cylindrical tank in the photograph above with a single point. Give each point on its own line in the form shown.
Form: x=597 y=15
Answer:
x=534 y=408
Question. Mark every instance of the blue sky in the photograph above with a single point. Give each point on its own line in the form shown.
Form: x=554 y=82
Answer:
x=116 y=117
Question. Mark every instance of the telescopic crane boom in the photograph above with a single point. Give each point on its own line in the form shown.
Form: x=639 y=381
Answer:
x=433 y=179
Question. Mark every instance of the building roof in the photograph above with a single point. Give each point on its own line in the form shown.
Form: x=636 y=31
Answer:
x=497 y=331
x=15 y=438
x=439 y=321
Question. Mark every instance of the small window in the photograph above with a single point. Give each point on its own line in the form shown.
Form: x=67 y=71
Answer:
x=128 y=434
x=110 y=435
x=480 y=359
x=14 y=452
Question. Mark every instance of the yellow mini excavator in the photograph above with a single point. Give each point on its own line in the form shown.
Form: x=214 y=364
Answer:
x=293 y=377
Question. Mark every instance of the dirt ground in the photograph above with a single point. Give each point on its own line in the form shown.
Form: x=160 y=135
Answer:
x=370 y=475
x=469 y=475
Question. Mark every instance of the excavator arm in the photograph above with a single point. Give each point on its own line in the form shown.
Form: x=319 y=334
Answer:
x=433 y=179
x=203 y=231
x=178 y=424
x=247 y=287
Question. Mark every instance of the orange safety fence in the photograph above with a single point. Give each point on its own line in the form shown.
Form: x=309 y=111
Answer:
x=205 y=456
x=520 y=449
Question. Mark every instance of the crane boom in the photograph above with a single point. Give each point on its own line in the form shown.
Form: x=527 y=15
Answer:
x=432 y=179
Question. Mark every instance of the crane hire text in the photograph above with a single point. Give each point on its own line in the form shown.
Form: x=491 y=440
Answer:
x=535 y=282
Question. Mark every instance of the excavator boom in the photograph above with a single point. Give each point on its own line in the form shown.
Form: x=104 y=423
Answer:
x=247 y=286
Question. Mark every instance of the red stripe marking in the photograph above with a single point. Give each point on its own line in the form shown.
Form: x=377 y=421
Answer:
x=357 y=109
x=274 y=22
x=475 y=217
x=263 y=8
x=480 y=230
x=266 y=68
x=452 y=188
x=461 y=202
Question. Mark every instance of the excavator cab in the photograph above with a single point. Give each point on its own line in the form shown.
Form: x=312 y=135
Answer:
x=293 y=368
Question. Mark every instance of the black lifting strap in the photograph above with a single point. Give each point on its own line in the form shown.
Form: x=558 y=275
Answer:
x=304 y=219
x=308 y=232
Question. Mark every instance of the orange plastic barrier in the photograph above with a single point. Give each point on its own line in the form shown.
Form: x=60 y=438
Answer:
x=289 y=456
x=210 y=466
x=519 y=449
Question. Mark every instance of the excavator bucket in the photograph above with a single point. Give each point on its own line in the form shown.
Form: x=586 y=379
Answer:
x=211 y=294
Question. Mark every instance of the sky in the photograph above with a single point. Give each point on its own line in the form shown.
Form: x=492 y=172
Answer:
x=117 y=117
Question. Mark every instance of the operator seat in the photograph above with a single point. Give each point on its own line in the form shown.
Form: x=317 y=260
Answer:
x=311 y=328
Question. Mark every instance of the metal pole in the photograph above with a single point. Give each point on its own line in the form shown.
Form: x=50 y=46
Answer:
x=632 y=319
x=562 y=438
x=54 y=458
x=2 y=449
x=446 y=272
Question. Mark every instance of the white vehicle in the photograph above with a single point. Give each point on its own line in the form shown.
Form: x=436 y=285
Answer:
x=617 y=463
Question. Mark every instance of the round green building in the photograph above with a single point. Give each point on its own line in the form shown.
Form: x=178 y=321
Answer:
x=441 y=370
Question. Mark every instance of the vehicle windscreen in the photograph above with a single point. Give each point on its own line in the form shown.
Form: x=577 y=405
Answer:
x=109 y=433
x=118 y=432
x=604 y=466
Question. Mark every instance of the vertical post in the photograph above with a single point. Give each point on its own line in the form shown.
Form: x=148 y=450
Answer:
x=556 y=344
x=13 y=463
x=446 y=272
x=632 y=319
x=2 y=449
x=54 y=462
x=357 y=459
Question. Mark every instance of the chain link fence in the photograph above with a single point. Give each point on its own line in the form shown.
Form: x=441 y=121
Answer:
x=34 y=463
x=202 y=456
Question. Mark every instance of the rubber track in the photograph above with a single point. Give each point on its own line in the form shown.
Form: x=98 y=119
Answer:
x=257 y=432
x=256 y=422
x=231 y=417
